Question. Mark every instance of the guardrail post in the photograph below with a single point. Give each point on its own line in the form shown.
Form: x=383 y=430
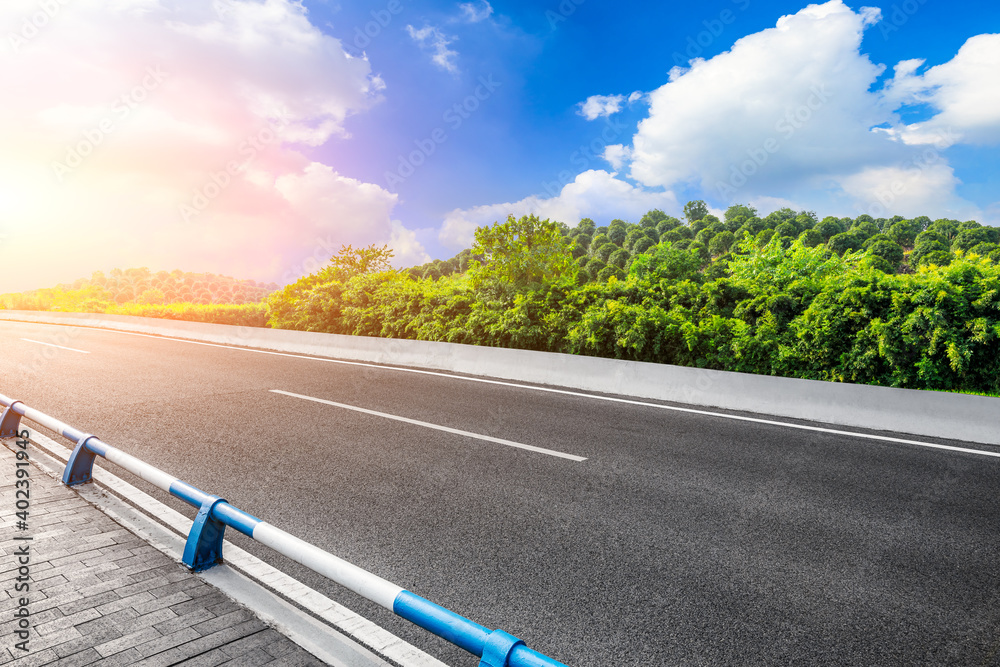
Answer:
x=10 y=422
x=499 y=645
x=80 y=466
x=204 y=543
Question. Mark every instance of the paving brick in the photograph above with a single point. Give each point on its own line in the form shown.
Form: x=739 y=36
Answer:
x=36 y=658
x=89 y=602
x=64 y=622
x=252 y=642
x=224 y=607
x=161 y=603
x=127 y=641
x=92 y=633
x=102 y=596
x=192 y=617
x=129 y=657
x=252 y=659
x=55 y=638
x=85 y=657
x=296 y=659
x=203 y=602
x=167 y=642
x=125 y=602
x=224 y=621
x=210 y=658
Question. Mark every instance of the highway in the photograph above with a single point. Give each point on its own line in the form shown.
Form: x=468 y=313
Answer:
x=601 y=532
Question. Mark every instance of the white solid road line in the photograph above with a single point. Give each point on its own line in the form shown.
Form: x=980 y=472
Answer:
x=436 y=427
x=567 y=392
x=71 y=349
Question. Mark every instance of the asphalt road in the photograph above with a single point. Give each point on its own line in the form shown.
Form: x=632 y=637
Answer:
x=682 y=539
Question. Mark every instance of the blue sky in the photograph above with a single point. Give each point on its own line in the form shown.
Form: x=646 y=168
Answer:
x=254 y=137
x=548 y=60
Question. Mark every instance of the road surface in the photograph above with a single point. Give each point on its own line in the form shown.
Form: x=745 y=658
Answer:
x=681 y=538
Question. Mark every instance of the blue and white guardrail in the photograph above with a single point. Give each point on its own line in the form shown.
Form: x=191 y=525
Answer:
x=203 y=549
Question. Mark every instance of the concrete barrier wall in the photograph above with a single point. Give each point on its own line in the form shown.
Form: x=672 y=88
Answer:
x=922 y=413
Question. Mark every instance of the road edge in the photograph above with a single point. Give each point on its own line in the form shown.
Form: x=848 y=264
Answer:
x=922 y=413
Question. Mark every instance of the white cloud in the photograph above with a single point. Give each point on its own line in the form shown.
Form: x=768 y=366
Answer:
x=596 y=106
x=595 y=194
x=800 y=89
x=616 y=155
x=474 y=12
x=910 y=191
x=317 y=191
x=407 y=249
x=965 y=91
x=150 y=103
x=432 y=39
x=790 y=113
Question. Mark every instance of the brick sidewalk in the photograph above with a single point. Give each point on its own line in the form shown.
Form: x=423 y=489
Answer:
x=102 y=596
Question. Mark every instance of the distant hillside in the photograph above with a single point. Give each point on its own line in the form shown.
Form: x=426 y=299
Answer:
x=102 y=292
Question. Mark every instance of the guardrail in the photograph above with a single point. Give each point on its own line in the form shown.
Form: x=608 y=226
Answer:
x=203 y=549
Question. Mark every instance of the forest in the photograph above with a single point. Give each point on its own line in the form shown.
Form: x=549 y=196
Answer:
x=896 y=302
x=179 y=295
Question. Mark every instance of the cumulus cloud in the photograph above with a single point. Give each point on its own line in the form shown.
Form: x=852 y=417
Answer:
x=598 y=106
x=799 y=92
x=908 y=191
x=595 y=194
x=432 y=40
x=616 y=155
x=964 y=91
x=169 y=135
x=474 y=12
x=810 y=125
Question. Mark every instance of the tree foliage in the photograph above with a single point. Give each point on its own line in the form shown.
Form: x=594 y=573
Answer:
x=896 y=302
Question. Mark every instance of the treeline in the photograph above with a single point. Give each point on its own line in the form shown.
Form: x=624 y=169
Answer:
x=141 y=290
x=897 y=302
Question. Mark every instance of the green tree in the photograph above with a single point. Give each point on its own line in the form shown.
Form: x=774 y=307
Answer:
x=721 y=243
x=811 y=238
x=521 y=254
x=888 y=250
x=605 y=251
x=619 y=258
x=152 y=296
x=667 y=224
x=597 y=241
x=829 y=227
x=737 y=215
x=617 y=232
x=652 y=218
x=695 y=210
x=845 y=242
